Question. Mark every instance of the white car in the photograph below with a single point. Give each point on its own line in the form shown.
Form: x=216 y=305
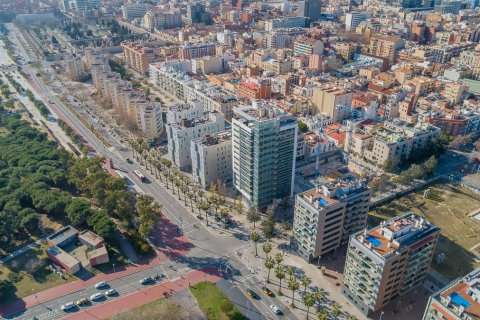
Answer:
x=111 y=292
x=101 y=284
x=146 y=280
x=275 y=309
x=67 y=306
x=96 y=296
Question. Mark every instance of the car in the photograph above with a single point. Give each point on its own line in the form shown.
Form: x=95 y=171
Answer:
x=96 y=296
x=68 y=306
x=275 y=309
x=128 y=160
x=267 y=291
x=101 y=284
x=82 y=301
x=111 y=292
x=252 y=293
x=146 y=280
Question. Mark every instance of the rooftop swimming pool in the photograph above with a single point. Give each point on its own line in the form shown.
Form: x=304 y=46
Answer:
x=373 y=240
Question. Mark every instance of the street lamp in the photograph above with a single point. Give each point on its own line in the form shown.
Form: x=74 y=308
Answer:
x=398 y=305
x=113 y=264
x=381 y=315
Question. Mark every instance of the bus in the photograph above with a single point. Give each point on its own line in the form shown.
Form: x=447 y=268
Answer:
x=139 y=175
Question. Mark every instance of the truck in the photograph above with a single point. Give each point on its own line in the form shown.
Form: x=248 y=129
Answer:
x=139 y=175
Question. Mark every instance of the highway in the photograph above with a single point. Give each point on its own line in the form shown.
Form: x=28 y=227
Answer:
x=206 y=250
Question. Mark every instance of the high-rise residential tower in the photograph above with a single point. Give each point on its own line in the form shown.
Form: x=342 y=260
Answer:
x=264 y=148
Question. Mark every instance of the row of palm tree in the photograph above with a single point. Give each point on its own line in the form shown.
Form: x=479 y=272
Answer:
x=180 y=183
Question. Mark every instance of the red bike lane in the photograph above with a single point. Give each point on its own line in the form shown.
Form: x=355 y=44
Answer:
x=147 y=295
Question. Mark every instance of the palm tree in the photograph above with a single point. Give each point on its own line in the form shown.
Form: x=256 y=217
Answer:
x=255 y=238
x=319 y=296
x=290 y=271
x=267 y=247
x=322 y=315
x=269 y=264
x=336 y=310
x=134 y=145
x=239 y=205
x=200 y=193
x=305 y=282
x=278 y=258
x=184 y=190
x=253 y=215
x=350 y=317
x=216 y=205
x=224 y=215
x=190 y=196
x=177 y=184
x=293 y=285
x=308 y=300
x=280 y=274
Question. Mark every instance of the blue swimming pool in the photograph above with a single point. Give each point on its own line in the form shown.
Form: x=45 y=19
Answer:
x=373 y=240
x=459 y=300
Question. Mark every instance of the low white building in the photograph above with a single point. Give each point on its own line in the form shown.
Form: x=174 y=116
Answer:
x=190 y=110
x=212 y=158
x=181 y=134
x=149 y=119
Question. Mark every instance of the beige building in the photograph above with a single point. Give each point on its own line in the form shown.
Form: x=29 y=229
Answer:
x=388 y=261
x=454 y=92
x=138 y=56
x=326 y=216
x=149 y=119
x=326 y=98
x=73 y=67
x=386 y=47
x=193 y=51
x=346 y=50
x=423 y=85
x=212 y=159
x=397 y=139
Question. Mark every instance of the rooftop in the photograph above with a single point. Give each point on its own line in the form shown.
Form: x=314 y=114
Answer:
x=396 y=233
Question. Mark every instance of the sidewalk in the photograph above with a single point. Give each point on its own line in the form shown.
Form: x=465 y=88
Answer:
x=20 y=251
x=142 y=297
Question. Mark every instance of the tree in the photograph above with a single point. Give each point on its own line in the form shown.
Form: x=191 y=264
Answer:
x=148 y=211
x=268 y=226
x=269 y=264
x=336 y=310
x=322 y=315
x=302 y=126
x=278 y=258
x=239 y=205
x=305 y=282
x=280 y=274
x=430 y=165
x=267 y=248
x=78 y=211
x=391 y=164
x=308 y=300
x=253 y=215
x=293 y=285
x=5 y=287
x=30 y=220
x=290 y=272
x=255 y=238
x=319 y=296
x=224 y=215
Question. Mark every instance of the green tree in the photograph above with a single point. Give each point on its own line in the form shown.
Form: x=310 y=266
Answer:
x=148 y=211
x=302 y=126
x=336 y=310
x=224 y=215
x=269 y=264
x=239 y=205
x=430 y=165
x=308 y=300
x=319 y=296
x=78 y=211
x=267 y=248
x=293 y=285
x=268 y=226
x=280 y=274
x=5 y=287
x=278 y=258
x=253 y=216
x=323 y=315
x=255 y=238
x=305 y=282
x=391 y=164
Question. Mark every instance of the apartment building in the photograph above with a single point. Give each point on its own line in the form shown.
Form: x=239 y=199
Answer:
x=458 y=300
x=212 y=97
x=149 y=119
x=445 y=53
x=193 y=109
x=172 y=79
x=327 y=215
x=264 y=152
x=212 y=159
x=353 y=19
x=138 y=56
x=397 y=139
x=73 y=67
x=255 y=89
x=132 y=10
x=454 y=92
x=388 y=261
x=181 y=134
x=307 y=46
x=386 y=47
x=194 y=51
x=161 y=20
x=310 y=9
x=346 y=50
x=469 y=58
x=326 y=98
x=287 y=22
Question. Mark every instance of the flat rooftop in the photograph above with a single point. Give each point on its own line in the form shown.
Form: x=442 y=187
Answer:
x=63 y=257
x=63 y=234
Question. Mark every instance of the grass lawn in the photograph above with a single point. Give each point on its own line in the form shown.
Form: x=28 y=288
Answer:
x=30 y=274
x=447 y=206
x=213 y=303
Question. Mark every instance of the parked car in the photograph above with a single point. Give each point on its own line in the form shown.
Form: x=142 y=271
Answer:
x=111 y=292
x=146 y=280
x=68 y=306
x=252 y=294
x=82 y=301
x=267 y=291
x=96 y=296
x=101 y=284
